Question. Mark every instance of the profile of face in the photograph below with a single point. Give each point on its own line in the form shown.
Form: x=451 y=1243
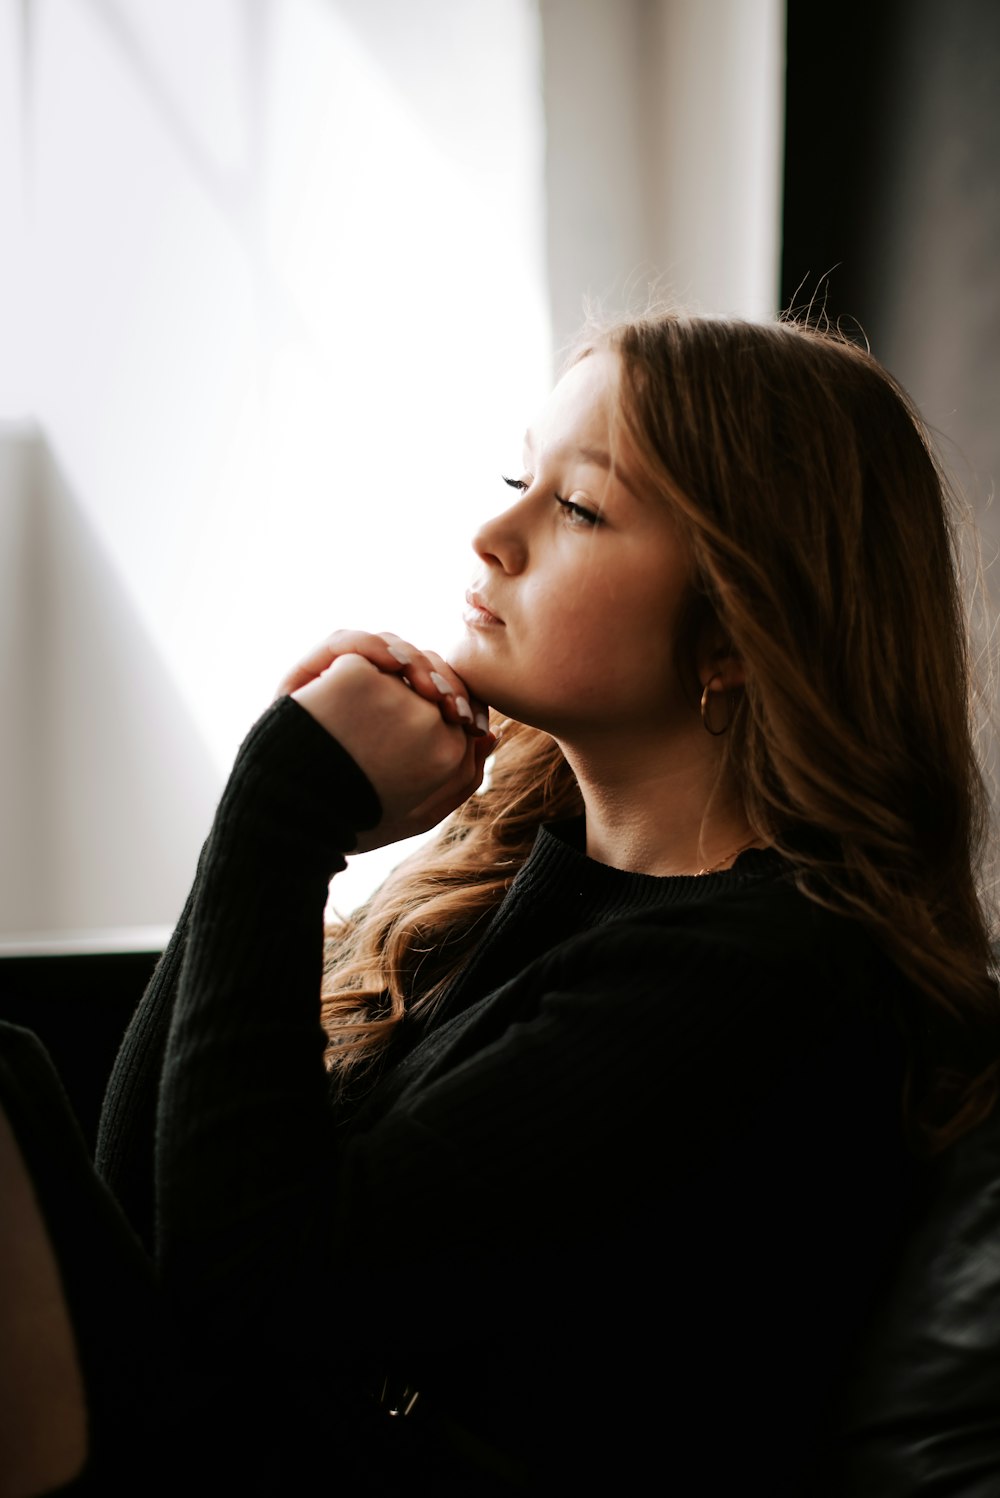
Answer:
x=573 y=612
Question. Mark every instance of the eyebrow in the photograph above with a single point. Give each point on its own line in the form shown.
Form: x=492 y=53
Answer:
x=596 y=455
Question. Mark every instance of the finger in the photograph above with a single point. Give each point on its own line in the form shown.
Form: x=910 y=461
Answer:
x=421 y=673
x=484 y=747
x=480 y=709
x=454 y=689
x=342 y=642
x=480 y=716
x=433 y=678
x=463 y=781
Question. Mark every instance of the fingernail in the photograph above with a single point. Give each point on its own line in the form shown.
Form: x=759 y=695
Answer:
x=483 y=722
x=443 y=685
x=464 y=710
x=399 y=654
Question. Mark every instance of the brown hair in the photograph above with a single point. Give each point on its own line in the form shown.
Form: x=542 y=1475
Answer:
x=818 y=524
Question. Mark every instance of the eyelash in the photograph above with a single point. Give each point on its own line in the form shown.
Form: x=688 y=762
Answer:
x=580 y=512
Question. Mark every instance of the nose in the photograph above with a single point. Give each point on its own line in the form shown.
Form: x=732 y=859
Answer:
x=501 y=541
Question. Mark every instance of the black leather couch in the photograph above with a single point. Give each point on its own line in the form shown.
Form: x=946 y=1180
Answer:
x=921 y=1412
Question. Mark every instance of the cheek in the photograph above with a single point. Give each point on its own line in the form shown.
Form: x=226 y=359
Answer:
x=630 y=613
x=610 y=648
x=632 y=631
x=603 y=641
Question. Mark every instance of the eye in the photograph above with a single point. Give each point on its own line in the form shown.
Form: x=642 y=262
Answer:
x=577 y=514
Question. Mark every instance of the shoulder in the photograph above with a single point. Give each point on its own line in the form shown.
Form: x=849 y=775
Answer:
x=751 y=931
x=759 y=988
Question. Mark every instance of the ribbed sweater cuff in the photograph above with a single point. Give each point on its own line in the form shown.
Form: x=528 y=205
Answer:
x=294 y=794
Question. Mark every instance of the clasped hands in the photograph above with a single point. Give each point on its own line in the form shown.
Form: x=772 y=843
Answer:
x=405 y=718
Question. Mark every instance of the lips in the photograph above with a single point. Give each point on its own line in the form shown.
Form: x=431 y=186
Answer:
x=478 y=611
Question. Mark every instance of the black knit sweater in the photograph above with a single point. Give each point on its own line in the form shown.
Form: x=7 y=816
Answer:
x=625 y=1202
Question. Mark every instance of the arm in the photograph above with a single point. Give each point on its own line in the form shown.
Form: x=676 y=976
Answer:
x=243 y=1135
x=126 y=1134
x=243 y=1127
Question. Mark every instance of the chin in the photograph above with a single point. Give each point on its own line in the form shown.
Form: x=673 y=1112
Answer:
x=464 y=658
x=494 y=681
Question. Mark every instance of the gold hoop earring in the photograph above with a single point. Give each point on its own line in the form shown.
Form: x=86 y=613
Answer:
x=706 y=694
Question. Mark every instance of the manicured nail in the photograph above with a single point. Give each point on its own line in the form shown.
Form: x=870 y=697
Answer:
x=483 y=722
x=399 y=654
x=442 y=684
x=464 y=710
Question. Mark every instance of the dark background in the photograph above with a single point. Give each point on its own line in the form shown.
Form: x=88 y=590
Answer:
x=891 y=212
x=891 y=222
x=79 y=1006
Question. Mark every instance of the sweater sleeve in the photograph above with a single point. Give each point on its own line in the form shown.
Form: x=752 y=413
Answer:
x=327 y=798
x=244 y=1117
x=124 y=1156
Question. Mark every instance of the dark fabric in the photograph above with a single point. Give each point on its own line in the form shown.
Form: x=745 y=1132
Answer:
x=632 y=1193
x=136 y=1396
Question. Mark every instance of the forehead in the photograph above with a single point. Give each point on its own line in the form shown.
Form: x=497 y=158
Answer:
x=581 y=408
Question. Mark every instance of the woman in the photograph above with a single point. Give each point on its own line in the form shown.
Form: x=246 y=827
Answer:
x=627 y=1072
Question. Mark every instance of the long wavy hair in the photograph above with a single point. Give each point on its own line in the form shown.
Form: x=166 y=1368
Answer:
x=822 y=537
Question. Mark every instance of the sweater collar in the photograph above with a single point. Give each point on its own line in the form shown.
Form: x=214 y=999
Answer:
x=558 y=857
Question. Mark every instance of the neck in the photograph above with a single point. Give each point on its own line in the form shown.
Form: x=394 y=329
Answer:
x=656 y=809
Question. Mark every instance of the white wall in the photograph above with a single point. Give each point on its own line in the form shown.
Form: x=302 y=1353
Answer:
x=105 y=770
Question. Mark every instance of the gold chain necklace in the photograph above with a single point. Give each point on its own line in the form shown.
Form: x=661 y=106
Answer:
x=715 y=867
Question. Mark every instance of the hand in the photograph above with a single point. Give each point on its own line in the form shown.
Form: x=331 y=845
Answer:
x=391 y=654
x=405 y=717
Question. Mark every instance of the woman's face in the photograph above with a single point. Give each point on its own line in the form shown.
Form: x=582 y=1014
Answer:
x=572 y=616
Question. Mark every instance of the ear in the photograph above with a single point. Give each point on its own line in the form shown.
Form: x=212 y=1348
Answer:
x=721 y=668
